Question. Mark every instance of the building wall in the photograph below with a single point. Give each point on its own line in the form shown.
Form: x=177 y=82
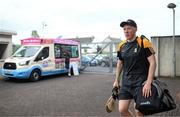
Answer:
x=178 y=56
x=5 y=45
x=163 y=46
x=7 y=41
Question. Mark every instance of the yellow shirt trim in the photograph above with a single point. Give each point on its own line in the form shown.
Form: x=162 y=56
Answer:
x=146 y=42
x=121 y=44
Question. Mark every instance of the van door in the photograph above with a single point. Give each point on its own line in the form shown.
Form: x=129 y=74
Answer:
x=44 y=60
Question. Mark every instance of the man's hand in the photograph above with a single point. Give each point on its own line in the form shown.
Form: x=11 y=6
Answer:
x=147 y=90
x=116 y=84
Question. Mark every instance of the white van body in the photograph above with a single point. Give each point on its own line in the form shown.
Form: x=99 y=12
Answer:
x=40 y=57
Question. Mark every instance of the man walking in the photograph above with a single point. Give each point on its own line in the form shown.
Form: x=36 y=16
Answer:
x=137 y=61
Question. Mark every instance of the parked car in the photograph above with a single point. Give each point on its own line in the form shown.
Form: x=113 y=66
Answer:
x=98 y=58
x=106 y=61
x=85 y=60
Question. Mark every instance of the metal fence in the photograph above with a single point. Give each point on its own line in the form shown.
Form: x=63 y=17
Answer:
x=100 y=57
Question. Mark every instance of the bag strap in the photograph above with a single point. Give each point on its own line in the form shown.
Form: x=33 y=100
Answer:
x=142 y=44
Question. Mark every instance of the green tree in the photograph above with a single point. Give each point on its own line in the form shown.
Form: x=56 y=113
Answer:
x=34 y=34
x=15 y=47
x=85 y=50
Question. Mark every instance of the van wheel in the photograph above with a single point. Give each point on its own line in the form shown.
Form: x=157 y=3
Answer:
x=35 y=75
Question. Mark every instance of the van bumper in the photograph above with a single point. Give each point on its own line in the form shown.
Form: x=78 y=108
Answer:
x=21 y=73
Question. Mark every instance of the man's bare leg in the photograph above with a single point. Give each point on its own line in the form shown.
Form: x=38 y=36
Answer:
x=124 y=108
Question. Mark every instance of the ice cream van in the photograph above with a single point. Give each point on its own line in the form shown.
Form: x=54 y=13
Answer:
x=41 y=57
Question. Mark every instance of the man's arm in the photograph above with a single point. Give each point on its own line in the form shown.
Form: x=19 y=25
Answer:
x=152 y=68
x=118 y=72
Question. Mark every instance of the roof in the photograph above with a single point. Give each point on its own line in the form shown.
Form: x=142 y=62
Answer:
x=112 y=39
x=164 y=36
x=6 y=32
x=84 y=40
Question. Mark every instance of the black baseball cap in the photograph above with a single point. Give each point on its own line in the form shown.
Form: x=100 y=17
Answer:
x=128 y=22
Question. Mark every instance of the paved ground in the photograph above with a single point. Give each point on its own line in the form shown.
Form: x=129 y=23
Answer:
x=99 y=69
x=83 y=96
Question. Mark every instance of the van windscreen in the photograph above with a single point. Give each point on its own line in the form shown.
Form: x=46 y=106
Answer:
x=27 y=51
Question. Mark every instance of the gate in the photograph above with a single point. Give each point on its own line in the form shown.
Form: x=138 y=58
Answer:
x=102 y=58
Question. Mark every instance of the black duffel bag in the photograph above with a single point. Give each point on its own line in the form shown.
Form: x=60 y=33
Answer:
x=160 y=101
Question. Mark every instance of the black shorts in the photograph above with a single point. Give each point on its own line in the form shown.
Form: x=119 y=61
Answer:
x=127 y=93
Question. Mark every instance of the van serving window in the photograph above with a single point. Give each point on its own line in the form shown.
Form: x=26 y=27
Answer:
x=60 y=49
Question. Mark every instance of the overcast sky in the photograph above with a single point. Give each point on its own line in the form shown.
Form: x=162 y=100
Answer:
x=84 y=18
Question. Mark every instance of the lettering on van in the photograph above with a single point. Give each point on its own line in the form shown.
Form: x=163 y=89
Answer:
x=45 y=63
x=59 y=65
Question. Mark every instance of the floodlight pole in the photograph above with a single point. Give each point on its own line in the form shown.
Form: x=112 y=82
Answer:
x=173 y=6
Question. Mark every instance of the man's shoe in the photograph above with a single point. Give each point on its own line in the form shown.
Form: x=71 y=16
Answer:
x=69 y=74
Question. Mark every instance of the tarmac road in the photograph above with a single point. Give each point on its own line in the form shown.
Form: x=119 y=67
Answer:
x=79 y=96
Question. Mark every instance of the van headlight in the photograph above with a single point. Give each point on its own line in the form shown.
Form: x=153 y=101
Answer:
x=24 y=63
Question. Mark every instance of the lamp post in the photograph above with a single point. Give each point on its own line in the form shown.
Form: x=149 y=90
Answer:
x=43 y=27
x=173 y=6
